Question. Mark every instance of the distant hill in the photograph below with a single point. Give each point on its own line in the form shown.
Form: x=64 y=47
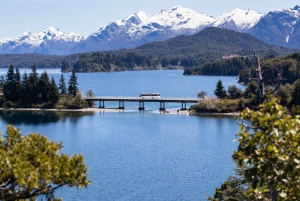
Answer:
x=186 y=51
x=41 y=60
x=212 y=42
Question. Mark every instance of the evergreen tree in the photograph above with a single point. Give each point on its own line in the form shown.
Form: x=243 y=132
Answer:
x=296 y=93
x=33 y=90
x=220 y=92
x=9 y=89
x=62 y=85
x=53 y=95
x=44 y=87
x=26 y=86
x=64 y=66
x=18 y=85
x=72 y=89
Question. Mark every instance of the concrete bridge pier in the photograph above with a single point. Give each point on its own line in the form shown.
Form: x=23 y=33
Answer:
x=183 y=106
x=162 y=106
x=121 y=105
x=101 y=104
x=141 y=105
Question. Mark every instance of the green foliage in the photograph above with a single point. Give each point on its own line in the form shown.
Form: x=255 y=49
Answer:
x=296 y=93
x=31 y=91
x=270 y=150
x=230 y=67
x=9 y=89
x=210 y=105
x=288 y=67
x=220 y=92
x=31 y=166
x=62 y=85
x=72 y=89
x=41 y=60
x=284 y=92
x=69 y=102
x=234 y=92
x=65 y=66
x=231 y=190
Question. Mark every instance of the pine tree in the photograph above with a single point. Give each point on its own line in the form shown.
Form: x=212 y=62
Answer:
x=33 y=90
x=62 y=85
x=220 y=92
x=9 y=88
x=296 y=93
x=53 y=94
x=18 y=85
x=44 y=87
x=72 y=89
x=25 y=89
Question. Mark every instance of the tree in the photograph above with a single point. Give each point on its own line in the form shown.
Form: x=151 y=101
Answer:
x=34 y=89
x=270 y=150
x=9 y=89
x=18 y=85
x=72 y=89
x=26 y=86
x=53 y=95
x=296 y=93
x=62 y=85
x=220 y=92
x=202 y=94
x=32 y=166
x=234 y=92
x=44 y=87
x=90 y=94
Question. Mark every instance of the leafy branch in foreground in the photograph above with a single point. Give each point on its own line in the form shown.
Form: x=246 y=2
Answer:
x=270 y=150
x=268 y=156
x=31 y=166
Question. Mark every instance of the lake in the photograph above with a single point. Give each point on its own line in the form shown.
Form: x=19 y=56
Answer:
x=136 y=155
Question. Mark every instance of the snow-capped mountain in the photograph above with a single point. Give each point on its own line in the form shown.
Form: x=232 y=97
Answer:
x=280 y=27
x=140 y=28
x=177 y=19
x=112 y=36
x=238 y=20
x=48 y=41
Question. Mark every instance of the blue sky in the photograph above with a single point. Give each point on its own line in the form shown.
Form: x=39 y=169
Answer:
x=87 y=16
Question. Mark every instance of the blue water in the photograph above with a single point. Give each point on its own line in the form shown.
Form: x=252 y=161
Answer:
x=141 y=155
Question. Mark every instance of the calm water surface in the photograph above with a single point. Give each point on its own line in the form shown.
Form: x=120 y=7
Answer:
x=140 y=155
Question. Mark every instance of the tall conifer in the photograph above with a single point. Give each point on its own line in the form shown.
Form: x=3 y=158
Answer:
x=72 y=89
x=62 y=85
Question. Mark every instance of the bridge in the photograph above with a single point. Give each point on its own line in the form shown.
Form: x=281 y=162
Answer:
x=142 y=101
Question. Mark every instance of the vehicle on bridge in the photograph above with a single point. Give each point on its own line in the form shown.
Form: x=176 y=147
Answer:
x=150 y=95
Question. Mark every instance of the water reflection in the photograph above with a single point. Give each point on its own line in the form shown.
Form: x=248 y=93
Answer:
x=40 y=117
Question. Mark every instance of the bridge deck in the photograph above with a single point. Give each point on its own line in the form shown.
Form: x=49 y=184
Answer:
x=139 y=99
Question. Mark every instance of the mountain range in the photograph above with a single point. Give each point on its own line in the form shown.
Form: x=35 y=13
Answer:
x=280 y=27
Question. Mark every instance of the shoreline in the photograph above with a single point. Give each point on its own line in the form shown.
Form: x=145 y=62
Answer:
x=171 y=111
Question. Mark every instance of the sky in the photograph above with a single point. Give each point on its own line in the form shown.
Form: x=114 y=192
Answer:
x=87 y=16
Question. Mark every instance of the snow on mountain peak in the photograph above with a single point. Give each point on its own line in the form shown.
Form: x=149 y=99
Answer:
x=242 y=19
x=133 y=19
x=143 y=16
x=175 y=18
x=5 y=40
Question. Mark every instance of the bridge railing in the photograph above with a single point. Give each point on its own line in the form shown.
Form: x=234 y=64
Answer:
x=139 y=98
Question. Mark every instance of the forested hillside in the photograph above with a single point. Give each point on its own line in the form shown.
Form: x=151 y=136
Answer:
x=186 y=51
x=208 y=45
x=41 y=60
x=288 y=67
